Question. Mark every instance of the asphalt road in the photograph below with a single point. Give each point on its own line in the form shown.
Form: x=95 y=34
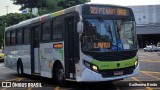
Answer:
x=149 y=75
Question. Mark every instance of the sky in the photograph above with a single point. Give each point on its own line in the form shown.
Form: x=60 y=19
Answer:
x=15 y=8
x=128 y=2
x=11 y=8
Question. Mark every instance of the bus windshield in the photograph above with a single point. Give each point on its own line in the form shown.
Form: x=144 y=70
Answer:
x=102 y=35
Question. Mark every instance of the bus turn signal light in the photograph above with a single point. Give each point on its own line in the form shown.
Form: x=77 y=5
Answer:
x=58 y=45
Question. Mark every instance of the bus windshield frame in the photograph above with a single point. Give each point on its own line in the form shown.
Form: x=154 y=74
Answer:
x=108 y=29
x=108 y=35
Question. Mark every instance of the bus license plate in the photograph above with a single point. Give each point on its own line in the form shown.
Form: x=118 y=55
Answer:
x=116 y=73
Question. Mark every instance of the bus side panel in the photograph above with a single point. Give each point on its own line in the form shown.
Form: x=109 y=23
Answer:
x=26 y=58
x=8 y=59
x=13 y=53
x=48 y=55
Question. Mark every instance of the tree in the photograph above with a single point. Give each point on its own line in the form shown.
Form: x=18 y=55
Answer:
x=69 y=3
x=48 y=6
x=9 y=20
x=26 y=3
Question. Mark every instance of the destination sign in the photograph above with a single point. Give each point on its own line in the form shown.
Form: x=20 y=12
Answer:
x=107 y=10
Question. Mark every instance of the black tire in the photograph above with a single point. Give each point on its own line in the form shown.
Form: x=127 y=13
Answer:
x=59 y=75
x=20 y=69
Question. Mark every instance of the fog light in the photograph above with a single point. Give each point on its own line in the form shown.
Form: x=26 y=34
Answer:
x=136 y=63
x=94 y=68
x=87 y=64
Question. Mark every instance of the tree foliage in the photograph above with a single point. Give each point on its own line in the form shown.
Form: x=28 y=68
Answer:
x=9 y=20
x=48 y=6
x=69 y=3
x=27 y=3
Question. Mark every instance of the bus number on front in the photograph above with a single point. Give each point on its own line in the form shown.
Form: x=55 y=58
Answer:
x=102 y=45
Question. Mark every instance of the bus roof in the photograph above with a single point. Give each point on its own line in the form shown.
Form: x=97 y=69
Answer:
x=61 y=12
x=46 y=16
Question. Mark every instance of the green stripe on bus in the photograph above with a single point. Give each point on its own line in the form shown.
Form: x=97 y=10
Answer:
x=58 y=13
x=104 y=65
x=62 y=53
x=41 y=55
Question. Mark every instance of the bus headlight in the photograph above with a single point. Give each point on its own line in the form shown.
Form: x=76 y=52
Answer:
x=90 y=66
x=95 y=68
x=136 y=63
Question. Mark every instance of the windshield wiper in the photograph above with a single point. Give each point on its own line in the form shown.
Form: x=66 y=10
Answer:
x=120 y=26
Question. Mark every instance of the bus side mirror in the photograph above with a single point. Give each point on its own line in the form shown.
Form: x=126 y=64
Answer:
x=80 y=27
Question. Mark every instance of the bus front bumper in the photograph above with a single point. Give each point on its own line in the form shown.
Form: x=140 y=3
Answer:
x=91 y=76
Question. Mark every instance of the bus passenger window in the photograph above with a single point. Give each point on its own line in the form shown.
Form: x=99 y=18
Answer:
x=8 y=38
x=19 y=36
x=46 y=31
x=13 y=38
x=26 y=36
x=57 y=29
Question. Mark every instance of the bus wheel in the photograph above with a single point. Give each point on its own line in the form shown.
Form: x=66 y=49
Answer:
x=60 y=74
x=20 y=69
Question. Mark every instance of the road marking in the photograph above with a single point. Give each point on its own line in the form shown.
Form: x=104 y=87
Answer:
x=151 y=75
x=136 y=79
x=57 y=88
x=148 y=88
x=16 y=79
x=30 y=88
x=3 y=88
x=148 y=61
x=151 y=72
x=117 y=88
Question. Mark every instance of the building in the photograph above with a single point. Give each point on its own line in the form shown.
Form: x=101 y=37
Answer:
x=147 y=24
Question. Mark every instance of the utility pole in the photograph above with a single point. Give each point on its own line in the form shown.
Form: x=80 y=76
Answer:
x=7 y=9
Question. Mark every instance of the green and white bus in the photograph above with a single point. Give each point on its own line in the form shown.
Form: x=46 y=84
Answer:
x=84 y=43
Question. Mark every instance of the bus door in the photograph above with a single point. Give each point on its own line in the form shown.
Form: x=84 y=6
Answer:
x=70 y=48
x=35 y=61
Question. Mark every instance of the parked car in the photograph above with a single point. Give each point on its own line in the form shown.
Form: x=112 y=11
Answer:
x=150 y=48
x=158 y=48
x=158 y=44
x=2 y=56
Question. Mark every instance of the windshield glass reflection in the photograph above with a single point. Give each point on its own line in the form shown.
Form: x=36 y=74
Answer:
x=101 y=35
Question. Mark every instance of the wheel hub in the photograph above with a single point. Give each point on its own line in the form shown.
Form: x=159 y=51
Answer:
x=60 y=74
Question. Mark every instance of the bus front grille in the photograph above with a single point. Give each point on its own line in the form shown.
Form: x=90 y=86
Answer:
x=110 y=73
x=113 y=56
